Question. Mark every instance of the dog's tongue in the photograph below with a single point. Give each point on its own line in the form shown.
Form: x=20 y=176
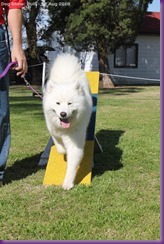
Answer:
x=65 y=123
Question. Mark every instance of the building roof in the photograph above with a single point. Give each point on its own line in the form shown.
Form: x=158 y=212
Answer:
x=151 y=23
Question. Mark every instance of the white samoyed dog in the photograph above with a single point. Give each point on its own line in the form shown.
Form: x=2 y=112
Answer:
x=67 y=105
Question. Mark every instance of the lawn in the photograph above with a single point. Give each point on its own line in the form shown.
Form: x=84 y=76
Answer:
x=123 y=200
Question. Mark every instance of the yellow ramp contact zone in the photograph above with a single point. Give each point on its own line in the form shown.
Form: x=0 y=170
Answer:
x=93 y=78
x=57 y=164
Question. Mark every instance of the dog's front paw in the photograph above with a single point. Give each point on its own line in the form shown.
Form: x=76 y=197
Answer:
x=67 y=186
x=60 y=149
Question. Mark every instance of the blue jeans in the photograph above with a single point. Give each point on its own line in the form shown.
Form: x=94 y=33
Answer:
x=4 y=106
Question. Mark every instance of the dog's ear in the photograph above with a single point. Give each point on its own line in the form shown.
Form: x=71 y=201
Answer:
x=49 y=86
x=79 y=88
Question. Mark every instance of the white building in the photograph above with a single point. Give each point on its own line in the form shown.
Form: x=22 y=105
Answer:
x=142 y=59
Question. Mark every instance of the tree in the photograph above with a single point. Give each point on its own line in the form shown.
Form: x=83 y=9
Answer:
x=35 y=22
x=59 y=12
x=99 y=24
x=41 y=19
x=84 y=24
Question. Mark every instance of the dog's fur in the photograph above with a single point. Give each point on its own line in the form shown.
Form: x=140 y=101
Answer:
x=67 y=105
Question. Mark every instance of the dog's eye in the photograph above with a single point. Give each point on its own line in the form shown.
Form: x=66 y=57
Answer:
x=57 y=103
x=69 y=103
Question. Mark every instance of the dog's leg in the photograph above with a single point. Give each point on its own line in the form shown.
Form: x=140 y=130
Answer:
x=74 y=157
x=59 y=145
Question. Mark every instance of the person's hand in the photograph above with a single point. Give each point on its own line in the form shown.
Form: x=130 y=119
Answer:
x=18 y=55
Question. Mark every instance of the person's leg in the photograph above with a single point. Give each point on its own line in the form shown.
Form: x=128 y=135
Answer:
x=4 y=107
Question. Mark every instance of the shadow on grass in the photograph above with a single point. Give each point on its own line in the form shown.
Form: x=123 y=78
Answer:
x=119 y=91
x=111 y=157
x=22 y=168
x=25 y=104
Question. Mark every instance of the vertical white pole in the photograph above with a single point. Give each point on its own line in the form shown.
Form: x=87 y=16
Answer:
x=43 y=74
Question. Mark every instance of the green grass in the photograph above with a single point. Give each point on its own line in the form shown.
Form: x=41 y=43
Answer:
x=123 y=200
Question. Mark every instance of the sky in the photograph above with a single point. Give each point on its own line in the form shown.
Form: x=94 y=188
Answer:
x=155 y=6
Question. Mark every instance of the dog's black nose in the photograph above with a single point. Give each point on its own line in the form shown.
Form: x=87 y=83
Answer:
x=63 y=114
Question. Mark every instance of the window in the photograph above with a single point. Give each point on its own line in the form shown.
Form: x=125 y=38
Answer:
x=126 y=57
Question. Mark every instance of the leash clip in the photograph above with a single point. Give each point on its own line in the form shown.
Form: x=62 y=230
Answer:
x=26 y=82
x=30 y=87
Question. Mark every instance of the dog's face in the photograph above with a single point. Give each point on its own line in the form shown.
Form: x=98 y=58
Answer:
x=63 y=103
